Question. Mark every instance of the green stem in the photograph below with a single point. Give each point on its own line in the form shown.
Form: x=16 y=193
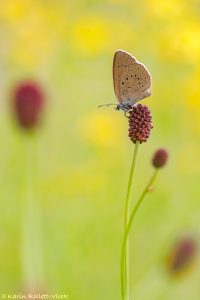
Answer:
x=125 y=272
x=126 y=235
x=32 y=267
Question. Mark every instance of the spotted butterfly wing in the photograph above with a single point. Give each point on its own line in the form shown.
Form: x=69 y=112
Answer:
x=132 y=80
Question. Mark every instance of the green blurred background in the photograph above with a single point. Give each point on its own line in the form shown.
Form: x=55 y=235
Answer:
x=84 y=153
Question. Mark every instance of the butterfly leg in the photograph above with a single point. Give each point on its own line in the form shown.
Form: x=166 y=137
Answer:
x=125 y=113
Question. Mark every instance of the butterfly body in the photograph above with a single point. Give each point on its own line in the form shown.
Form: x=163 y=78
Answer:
x=125 y=106
x=131 y=79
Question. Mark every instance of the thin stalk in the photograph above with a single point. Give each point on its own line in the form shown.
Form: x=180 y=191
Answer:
x=32 y=262
x=126 y=235
x=126 y=273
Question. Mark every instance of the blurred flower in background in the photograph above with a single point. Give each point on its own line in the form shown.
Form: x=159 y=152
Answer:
x=91 y=35
x=28 y=101
x=182 y=256
x=100 y=129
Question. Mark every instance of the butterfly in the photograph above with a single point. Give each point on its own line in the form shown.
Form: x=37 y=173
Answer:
x=132 y=80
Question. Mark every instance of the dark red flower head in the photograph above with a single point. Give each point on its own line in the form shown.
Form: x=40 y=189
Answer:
x=139 y=123
x=28 y=103
x=182 y=255
x=160 y=158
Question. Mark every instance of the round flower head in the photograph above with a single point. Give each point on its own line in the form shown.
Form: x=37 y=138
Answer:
x=160 y=158
x=139 y=123
x=28 y=101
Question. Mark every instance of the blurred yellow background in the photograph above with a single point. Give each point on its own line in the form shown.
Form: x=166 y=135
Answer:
x=84 y=152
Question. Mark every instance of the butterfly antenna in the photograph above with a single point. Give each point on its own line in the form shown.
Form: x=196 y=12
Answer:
x=106 y=104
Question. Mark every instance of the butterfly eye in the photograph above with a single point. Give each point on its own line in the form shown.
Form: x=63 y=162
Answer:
x=122 y=82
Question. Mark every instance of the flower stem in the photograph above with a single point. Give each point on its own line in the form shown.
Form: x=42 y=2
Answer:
x=126 y=235
x=32 y=267
x=125 y=272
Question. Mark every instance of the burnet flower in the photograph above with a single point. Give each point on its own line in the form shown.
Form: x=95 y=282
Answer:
x=182 y=255
x=140 y=123
x=28 y=102
x=139 y=130
x=160 y=158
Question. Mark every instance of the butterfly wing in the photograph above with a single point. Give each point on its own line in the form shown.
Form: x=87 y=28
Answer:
x=132 y=80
